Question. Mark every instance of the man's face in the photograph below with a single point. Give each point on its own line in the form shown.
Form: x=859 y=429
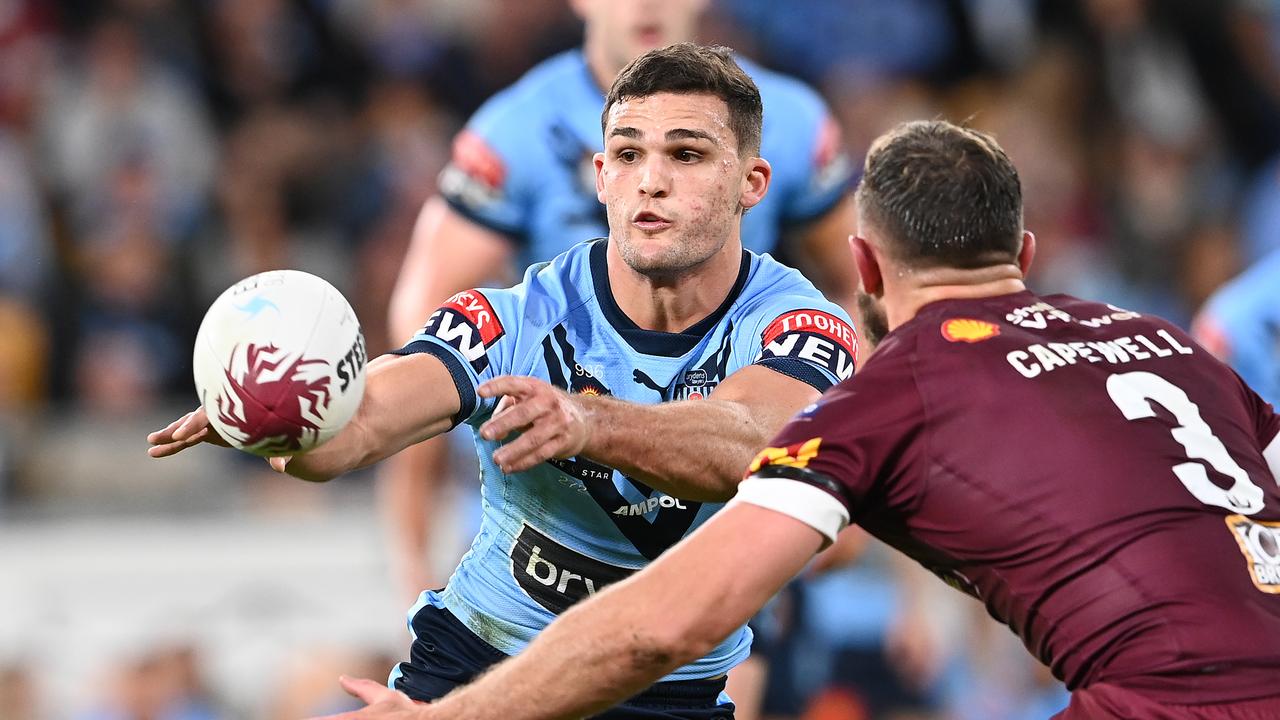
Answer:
x=671 y=180
x=630 y=28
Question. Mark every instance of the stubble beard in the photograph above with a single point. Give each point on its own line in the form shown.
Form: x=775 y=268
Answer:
x=690 y=249
x=872 y=321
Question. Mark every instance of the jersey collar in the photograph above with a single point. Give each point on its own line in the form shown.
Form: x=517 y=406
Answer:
x=655 y=342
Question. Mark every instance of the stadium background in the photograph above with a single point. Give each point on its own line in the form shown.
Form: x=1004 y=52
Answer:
x=152 y=151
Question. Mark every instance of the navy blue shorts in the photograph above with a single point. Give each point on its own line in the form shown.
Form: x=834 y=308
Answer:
x=447 y=654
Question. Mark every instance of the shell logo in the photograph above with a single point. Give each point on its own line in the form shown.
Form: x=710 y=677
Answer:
x=969 y=330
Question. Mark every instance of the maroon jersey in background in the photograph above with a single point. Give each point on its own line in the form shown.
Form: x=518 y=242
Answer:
x=1092 y=475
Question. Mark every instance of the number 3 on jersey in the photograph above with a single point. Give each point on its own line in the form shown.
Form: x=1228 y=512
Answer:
x=1134 y=393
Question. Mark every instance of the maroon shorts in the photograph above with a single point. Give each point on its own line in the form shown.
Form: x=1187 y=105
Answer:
x=1108 y=702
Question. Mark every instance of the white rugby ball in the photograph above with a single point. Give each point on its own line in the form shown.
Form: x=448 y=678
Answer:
x=279 y=363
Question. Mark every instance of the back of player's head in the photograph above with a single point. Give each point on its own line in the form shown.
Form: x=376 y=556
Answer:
x=942 y=195
x=690 y=68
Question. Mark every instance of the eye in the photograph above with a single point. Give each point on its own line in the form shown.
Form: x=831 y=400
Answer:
x=628 y=155
x=687 y=156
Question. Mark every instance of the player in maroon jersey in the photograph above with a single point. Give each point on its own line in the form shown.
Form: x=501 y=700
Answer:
x=1102 y=484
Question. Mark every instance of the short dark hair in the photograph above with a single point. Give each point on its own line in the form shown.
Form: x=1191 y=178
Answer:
x=690 y=68
x=945 y=195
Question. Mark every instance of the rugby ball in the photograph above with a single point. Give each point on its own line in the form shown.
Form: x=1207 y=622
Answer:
x=279 y=363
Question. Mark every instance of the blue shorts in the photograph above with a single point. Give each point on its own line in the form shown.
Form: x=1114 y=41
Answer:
x=446 y=654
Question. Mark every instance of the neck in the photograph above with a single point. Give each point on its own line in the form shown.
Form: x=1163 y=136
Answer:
x=675 y=302
x=917 y=288
x=597 y=56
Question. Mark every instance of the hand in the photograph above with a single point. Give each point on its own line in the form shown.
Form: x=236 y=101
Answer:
x=188 y=430
x=380 y=701
x=552 y=424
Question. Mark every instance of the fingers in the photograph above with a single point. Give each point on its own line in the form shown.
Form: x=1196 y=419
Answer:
x=192 y=423
x=535 y=446
x=279 y=464
x=368 y=691
x=165 y=434
x=509 y=385
x=513 y=417
x=190 y=429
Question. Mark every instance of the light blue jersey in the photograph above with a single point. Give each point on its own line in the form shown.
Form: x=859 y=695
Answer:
x=553 y=535
x=1241 y=325
x=523 y=166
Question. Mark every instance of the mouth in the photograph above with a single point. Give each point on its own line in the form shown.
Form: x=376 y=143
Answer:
x=650 y=35
x=649 y=221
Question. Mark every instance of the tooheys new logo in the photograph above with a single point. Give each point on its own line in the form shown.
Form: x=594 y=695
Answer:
x=468 y=323
x=815 y=336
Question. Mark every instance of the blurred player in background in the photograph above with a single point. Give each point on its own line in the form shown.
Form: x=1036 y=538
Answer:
x=1103 y=484
x=617 y=392
x=1241 y=325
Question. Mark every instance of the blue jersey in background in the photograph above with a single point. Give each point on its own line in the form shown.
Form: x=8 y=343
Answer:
x=523 y=165
x=1240 y=324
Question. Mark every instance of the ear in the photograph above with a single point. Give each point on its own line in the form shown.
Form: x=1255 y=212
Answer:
x=755 y=183
x=868 y=266
x=1027 y=253
x=598 y=160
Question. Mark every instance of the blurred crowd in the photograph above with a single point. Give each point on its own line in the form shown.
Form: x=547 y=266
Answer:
x=154 y=151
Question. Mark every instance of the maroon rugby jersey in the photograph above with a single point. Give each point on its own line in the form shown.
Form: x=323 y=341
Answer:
x=1092 y=475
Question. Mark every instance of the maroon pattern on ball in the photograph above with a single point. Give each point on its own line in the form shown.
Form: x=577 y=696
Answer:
x=273 y=421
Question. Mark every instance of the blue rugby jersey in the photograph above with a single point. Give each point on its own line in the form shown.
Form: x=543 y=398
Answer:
x=558 y=532
x=522 y=166
x=1241 y=325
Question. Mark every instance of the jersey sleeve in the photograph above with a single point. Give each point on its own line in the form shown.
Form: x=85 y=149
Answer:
x=488 y=174
x=823 y=171
x=469 y=333
x=855 y=450
x=809 y=339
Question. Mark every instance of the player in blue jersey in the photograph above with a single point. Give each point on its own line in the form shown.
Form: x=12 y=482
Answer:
x=1241 y=325
x=617 y=393
x=520 y=189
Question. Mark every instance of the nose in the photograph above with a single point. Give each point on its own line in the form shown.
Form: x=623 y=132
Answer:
x=655 y=178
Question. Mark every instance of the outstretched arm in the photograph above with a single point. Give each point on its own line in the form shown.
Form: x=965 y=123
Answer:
x=619 y=642
x=447 y=254
x=691 y=449
x=406 y=399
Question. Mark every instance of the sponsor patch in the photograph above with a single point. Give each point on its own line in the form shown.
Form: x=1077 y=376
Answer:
x=1208 y=333
x=472 y=155
x=475 y=173
x=831 y=164
x=795 y=455
x=467 y=323
x=813 y=335
x=556 y=577
x=1260 y=544
x=968 y=330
